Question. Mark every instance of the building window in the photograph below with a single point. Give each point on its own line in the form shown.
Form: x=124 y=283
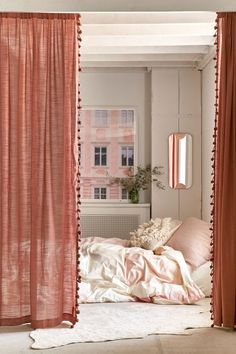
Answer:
x=100 y=193
x=127 y=156
x=124 y=194
x=101 y=117
x=127 y=117
x=100 y=156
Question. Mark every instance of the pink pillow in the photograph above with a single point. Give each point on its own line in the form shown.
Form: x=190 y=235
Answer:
x=192 y=238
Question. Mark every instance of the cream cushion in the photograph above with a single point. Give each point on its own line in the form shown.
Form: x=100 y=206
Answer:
x=154 y=233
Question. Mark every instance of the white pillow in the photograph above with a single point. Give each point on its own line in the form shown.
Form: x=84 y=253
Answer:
x=201 y=276
x=154 y=233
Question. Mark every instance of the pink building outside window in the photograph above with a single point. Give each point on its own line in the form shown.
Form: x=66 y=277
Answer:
x=108 y=150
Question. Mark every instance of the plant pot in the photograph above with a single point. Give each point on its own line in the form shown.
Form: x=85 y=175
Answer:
x=134 y=196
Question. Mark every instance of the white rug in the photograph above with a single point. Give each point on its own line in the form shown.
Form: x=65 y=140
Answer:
x=112 y=321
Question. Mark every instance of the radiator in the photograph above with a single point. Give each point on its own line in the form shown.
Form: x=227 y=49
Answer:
x=112 y=220
x=109 y=225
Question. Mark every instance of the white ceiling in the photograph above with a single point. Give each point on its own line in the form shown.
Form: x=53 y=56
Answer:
x=116 y=5
x=146 y=39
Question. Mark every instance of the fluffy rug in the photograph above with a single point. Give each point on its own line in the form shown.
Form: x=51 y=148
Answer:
x=112 y=321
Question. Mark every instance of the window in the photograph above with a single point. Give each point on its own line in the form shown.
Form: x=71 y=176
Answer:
x=100 y=156
x=101 y=117
x=127 y=117
x=127 y=156
x=124 y=194
x=100 y=193
x=108 y=136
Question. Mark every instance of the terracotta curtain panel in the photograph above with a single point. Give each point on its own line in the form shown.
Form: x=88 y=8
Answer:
x=38 y=144
x=224 y=181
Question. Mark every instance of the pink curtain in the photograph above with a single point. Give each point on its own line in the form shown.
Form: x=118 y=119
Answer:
x=38 y=223
x=224 y=181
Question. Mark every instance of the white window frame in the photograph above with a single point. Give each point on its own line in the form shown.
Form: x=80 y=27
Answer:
x=127 y=160
x=124 y=121
x=100 y=192
x=100 y=120
x=100 y=155
x=121 y=194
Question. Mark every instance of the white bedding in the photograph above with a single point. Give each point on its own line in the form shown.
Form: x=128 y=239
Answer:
x=202 y=277
x=110 y=271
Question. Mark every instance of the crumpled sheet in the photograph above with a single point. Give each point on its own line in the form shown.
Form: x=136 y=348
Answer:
x=112 y=272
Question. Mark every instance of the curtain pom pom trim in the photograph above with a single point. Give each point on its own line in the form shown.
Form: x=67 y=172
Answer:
x=78 y=174
x=213 y=159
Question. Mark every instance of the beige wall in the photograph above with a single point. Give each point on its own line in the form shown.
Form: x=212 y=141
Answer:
x=208 y=115
x=123 y=88
x=176 y=107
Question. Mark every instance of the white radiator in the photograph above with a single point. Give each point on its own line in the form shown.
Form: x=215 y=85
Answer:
x=111 y=219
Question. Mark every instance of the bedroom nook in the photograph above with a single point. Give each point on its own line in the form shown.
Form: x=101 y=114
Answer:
x=117 y=170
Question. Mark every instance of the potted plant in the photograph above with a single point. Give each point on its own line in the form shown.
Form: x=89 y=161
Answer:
x=142 y=179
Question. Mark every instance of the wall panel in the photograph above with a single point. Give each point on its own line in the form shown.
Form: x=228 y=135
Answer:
x=176 y=107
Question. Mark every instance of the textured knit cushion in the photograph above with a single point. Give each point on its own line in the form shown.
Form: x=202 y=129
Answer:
x=192 y=238
x=154 y=233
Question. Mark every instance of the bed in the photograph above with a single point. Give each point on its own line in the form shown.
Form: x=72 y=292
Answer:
x=117 y=270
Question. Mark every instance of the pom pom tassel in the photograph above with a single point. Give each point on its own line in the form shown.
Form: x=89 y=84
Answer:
x=214 y=164
x=78 y=174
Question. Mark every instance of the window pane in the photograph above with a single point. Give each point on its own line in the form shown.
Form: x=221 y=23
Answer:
x=123 y=156
x=100 y=156
x=97 y=150
x=130 y=116
x=130 y=156
x=127 y=117
x=123 y=117
x=97 y=159
x=101 y=117
x=124 y=113
x=127 y=156
x=103 y=193
x=104 y=156
x=124 y=193
x=96 y=193
x=104 y=160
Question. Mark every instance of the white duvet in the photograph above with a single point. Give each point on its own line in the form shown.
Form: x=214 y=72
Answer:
x=111 y=271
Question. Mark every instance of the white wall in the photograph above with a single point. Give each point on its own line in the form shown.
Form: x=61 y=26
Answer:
x=176 y=107
x=122 y=88
x=208 y=116
x=174 y=96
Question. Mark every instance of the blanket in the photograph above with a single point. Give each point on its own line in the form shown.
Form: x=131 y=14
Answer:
x=112 y=272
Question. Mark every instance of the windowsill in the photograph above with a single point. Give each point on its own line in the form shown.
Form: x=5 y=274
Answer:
x=113 y=204
x=105 y=167
x=125 y=167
